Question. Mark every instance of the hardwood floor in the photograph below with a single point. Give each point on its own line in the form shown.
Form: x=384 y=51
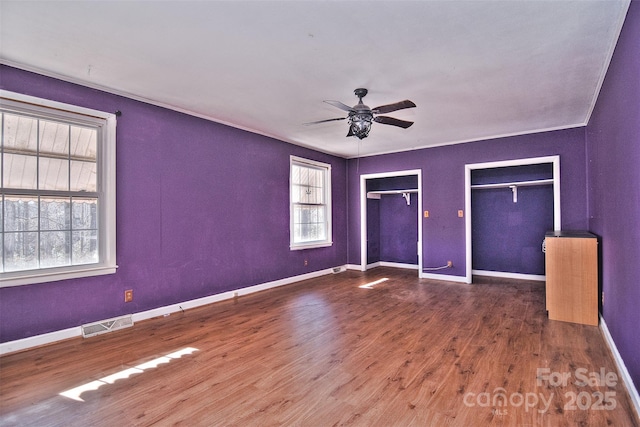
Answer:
x=324 y=352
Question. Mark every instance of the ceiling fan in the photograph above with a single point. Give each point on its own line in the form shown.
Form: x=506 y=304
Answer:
x=361 y=116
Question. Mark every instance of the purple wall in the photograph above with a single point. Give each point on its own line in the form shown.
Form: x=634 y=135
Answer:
x=613 y=154
x=398 y=229
x=443 y=173
x=507 y=236
x=373 y=231
x=202 y=208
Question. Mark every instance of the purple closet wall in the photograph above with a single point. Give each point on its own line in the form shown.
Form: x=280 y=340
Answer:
x=398 y=229
x=202 y=208
x=443 y=187
x=506 y=235
x=373 y=231
x=613 y=165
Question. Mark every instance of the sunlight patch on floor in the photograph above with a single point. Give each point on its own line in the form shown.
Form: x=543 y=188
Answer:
x=372 y=284
x=75 y=393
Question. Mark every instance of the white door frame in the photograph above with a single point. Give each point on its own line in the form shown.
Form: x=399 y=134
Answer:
x=517 y=162
x=363 y=211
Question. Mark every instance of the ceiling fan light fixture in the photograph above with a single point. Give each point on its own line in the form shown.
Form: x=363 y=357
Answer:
x=360 y=124
x=361 y=116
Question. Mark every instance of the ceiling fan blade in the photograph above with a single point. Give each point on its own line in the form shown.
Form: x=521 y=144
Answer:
x=391 y=121
x=323 y=121
x=383 y=109
x=340 y=105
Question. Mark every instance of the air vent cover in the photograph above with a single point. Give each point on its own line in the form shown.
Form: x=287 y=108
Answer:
x=103 y=326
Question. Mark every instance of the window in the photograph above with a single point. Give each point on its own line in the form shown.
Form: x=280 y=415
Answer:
x=57 y=179
x=310 y=210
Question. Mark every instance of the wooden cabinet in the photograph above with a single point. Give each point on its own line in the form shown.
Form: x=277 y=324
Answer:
x=572 y=277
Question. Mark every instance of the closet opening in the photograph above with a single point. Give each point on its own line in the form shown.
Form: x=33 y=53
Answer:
x=510 y=206
x=391 y=230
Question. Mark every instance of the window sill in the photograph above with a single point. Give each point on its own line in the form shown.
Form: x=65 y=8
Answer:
x=30 y=278
x=310 y=245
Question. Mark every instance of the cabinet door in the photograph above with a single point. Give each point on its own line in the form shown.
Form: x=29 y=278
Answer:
x=572 y=279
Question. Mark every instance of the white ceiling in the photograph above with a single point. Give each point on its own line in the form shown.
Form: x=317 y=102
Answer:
x=475 y=69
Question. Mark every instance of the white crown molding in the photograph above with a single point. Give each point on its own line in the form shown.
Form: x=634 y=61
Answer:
x=606 y=64
x=128 y=95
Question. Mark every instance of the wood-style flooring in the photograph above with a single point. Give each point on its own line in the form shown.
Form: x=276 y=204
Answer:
x=324 y=352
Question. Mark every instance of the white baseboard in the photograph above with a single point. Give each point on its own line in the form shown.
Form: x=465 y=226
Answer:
x=519 y=276
x=357 y=267
x=38 y=340
x=626 y=377
x=445 y=277
x=386 y=264
x=399 y=265
x=51 y=337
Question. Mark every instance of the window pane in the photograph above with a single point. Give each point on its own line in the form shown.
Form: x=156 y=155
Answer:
x=83 y=176
x=20 y=213
x=55 y=213
x=306 y=215
x=54 y=174
x=54 y=139
x=304 y=232
x=304 y=175
x=315 y=177
x=295 y=193
x=20 y=134
x=309 y=223
x=20 y=251
x=20 y=171
x=295 y=174
x=85 y=214
x=84 y=159
x=54 y=248
x=85 y=247
x=84 y=143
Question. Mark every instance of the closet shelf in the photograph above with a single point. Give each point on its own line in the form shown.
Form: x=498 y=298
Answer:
x=514 y=184
x=377 y=194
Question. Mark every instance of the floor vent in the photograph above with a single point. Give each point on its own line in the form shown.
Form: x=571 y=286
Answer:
x=339 y=270
x=103 y=326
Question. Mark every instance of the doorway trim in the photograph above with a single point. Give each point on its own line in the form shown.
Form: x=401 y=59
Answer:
x=555 y=160
x=363 y=211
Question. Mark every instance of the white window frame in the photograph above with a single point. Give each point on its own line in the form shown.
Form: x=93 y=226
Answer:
x=294 y=160
x=106 y=169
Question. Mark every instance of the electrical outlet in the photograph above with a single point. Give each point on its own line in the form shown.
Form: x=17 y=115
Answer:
x=306 y=262
x=128 y=295
x=449 y=264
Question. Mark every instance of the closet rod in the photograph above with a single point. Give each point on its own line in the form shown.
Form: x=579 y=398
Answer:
x=514 y=184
